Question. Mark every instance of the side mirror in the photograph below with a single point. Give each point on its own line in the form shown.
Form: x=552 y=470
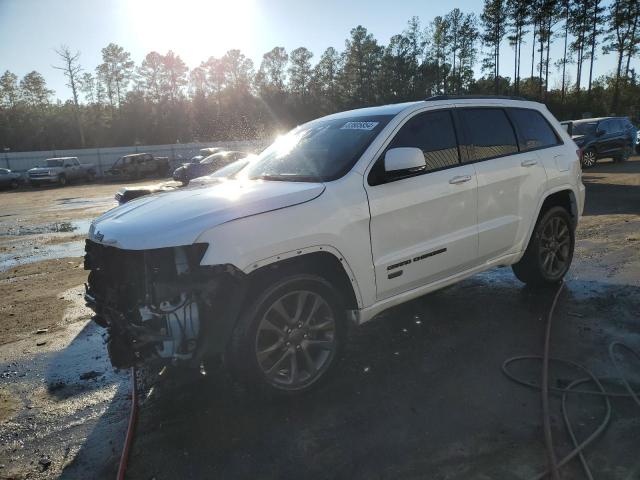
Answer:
x=403 y=158
x=67 y=166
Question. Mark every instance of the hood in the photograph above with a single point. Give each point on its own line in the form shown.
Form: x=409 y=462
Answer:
x=41 y=169
x=179 y=217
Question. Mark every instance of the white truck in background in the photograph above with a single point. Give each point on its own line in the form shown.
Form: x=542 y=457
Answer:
x=61 y=170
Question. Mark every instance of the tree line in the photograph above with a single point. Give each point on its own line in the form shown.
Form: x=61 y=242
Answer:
x=162 y=101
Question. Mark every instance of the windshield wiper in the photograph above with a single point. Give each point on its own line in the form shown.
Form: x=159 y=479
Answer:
x=287 y=178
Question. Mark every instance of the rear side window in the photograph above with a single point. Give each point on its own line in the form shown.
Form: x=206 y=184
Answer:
x=433 y=133
x=489 y=131
x=533 y=130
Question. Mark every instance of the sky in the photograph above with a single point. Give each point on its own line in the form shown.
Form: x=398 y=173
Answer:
x=31 y=30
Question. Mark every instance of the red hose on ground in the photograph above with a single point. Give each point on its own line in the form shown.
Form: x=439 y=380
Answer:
x=122 y=467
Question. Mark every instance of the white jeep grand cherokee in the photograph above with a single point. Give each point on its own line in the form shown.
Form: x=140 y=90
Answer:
x=338 y=220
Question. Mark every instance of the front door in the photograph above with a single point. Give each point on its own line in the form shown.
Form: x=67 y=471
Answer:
x=423 y=224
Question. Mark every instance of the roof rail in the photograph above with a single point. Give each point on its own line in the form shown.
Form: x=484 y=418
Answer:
x=473 y=97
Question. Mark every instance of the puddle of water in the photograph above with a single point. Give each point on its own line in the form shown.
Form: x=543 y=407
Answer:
x=44 y=252
x=79 y=202
x=79 y=226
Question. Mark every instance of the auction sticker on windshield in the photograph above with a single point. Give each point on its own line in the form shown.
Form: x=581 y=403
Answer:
x=359 y=126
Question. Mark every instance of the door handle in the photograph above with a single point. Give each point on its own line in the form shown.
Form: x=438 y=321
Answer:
x=460 y=179
x=529 y=163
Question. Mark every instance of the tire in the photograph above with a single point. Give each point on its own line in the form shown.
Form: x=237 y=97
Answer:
x=278 y=348
x=90 y=177
x=62 y=180
x=589 y=158
x=626 y=153
x=550 y=251
x=14 y=184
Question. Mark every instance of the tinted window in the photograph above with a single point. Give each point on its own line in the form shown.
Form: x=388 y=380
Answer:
x=533 y=130
x=584 y=128
x=490 y=132
x=606 y=127
x=433 y=133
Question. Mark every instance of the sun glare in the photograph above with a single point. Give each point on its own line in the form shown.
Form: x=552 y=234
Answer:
x=194 y=29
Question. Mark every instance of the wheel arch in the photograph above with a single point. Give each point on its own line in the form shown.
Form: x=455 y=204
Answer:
x=562 y=196
x=324 y=261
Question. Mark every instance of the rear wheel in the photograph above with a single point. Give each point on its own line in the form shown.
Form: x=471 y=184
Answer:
x=550 y=251
x=624 y=156
x=62 y=180
x=589 y=158
x=290 y=337
x=14 y=184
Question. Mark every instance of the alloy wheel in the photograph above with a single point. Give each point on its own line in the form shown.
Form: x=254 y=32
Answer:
x=296 y=340
x=555 y=246
x=589 y=159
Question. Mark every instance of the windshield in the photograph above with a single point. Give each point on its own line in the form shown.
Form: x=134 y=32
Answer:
x=53 y=162
x=320 y=151
x=231 y=169
x=584 y=128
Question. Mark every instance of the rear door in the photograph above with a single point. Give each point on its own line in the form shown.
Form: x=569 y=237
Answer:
x=510 y=175
x=423 y=223
x=608 y=140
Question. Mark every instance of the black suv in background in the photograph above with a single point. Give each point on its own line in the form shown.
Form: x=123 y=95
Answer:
x=606 y=137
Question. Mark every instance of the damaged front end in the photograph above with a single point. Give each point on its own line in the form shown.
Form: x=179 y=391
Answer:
x=160 y=303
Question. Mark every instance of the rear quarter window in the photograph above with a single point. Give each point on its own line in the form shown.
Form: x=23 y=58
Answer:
x=533 y=130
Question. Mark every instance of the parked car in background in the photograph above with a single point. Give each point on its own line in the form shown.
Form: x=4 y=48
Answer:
x=127 y=194
x=638 y=142
x=206 y=166
x=205 y=152
x=61 y=170
x=606 y=137
x=339 y=220
x=138 y=165
x=9 y=179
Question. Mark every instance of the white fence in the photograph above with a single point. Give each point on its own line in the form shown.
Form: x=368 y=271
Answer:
x=104 y=158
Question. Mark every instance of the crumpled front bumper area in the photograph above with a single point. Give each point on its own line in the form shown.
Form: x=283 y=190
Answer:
x=152 y=302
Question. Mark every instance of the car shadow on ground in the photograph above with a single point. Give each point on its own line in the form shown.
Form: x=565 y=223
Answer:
x=418 y=393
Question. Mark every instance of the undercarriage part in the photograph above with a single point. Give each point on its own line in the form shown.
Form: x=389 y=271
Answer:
x=152 y=302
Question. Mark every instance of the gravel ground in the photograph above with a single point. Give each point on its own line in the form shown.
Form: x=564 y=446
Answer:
x=419 y=393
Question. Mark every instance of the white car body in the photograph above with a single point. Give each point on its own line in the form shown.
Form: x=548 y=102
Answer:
x=386 y=242
x=483 y=223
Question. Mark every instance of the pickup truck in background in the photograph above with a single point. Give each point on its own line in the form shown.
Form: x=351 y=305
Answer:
x=61 y=170
x=138 y=165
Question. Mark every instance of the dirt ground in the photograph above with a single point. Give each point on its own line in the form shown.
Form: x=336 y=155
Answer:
x=419 y=394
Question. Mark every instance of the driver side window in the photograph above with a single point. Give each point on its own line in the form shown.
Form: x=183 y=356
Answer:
x=431 y=132
x=434 y=134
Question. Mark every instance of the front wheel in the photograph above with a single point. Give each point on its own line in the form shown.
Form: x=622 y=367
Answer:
x=290 y=337
x=550 y=251
x=62 y=180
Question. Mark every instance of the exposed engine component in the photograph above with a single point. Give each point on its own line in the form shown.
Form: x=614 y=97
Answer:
x=151 y=302
x=180 y=326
